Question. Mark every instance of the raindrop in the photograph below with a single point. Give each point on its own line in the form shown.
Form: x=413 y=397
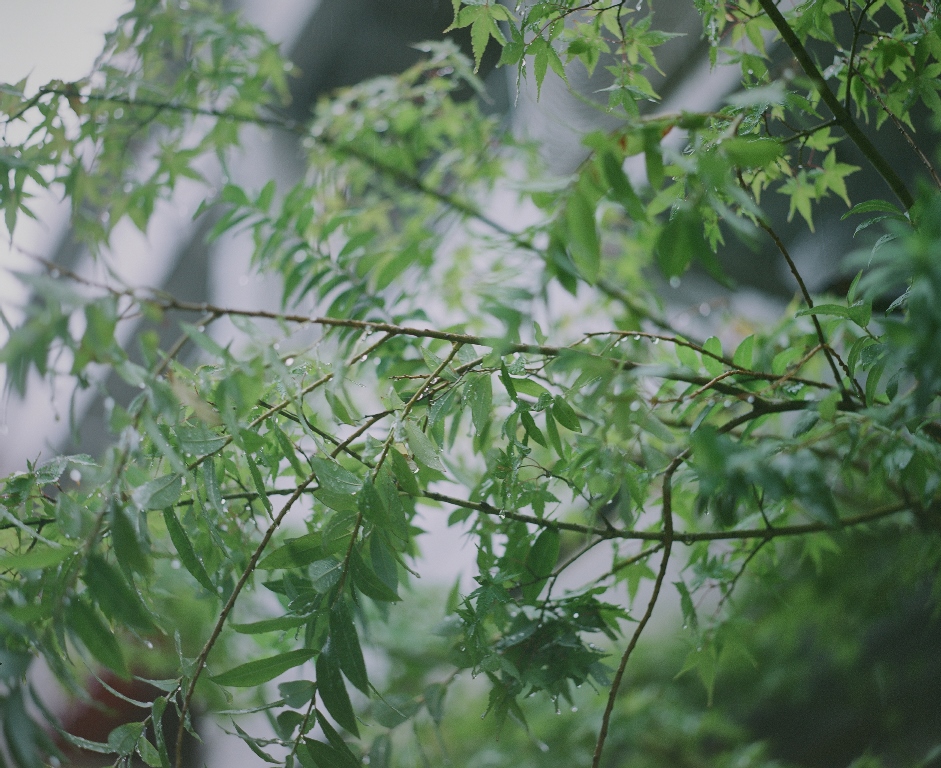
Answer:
x=675 y=282
x=175 y=565
x=575 y=615
x=656 y=341
x=276 y=346
x=704 y=309
x=543 y=747
x=299 y=257
x=751 y=398
x=75 y=476
x=289 y=361
x=200 y=328
x=364 y=358
x=636 y=337
x=149 y=644
x=575 y=709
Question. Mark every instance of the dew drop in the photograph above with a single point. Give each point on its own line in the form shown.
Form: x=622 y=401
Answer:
x=289 y=361
x=636 y=337
x=75 y=476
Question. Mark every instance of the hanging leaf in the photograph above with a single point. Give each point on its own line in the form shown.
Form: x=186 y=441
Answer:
x=260 y=671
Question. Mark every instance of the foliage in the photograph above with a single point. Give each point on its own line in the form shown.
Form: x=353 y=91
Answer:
x=622 y=449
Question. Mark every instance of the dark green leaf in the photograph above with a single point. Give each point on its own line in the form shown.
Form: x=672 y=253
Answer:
x=344 y=646
x=115 y=596
x=96 y=637
x=295 y=553
x=184 y=549
x=332 y=691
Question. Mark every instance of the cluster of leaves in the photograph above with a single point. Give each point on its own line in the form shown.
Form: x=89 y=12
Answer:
x=281 y=479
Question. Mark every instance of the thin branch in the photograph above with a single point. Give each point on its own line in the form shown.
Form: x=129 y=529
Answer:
x=840 y=113
x=658 y=584
x=200 y=662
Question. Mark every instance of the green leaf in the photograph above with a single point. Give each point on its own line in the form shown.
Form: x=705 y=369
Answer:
x=368 y=582
x=713 y=346
x=96 y=637
x=156 y=494
x=743 y=354
x=565 y=414
x=540 y=562
x=295 y=553
x=127 y=547
x=115 y=596
x=752 y=152
x=479 y=394
x=124 y=738
x=422 y=448
x=260 y=671
x=403 y=473
x=345 y=647
x=332 y=691
x=37 y=558
x=279 y=624
x=680 y=241
x=185 y=550
x=584 y=244
x=532 y=430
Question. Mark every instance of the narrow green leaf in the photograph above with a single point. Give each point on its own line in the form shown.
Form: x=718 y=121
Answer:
x=584 y=244
x=295 y=553
x=368 y=582
x=421 y=446
x=257 y=481
x=36 y=559
x=261 y=671
x=279 y=624
x=115 y=596
x=96 y=637
x=479 y=394
x=529 y=424
x=403 y=473
x=332 y=691
x=565 y=414
x=127 y=547
x=344 y=645
x=540 y=561
x=185 y=551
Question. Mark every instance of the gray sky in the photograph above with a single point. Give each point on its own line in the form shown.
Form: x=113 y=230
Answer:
x=53 y=39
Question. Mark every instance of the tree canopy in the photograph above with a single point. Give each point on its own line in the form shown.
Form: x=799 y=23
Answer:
x=250 y=539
